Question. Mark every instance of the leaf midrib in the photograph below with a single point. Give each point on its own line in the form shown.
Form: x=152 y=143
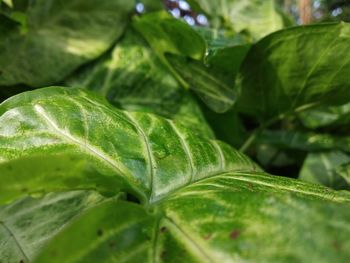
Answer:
x=118 y=167
x=246 y=176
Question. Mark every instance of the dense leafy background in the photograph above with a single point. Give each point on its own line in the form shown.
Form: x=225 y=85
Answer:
x=130 y=156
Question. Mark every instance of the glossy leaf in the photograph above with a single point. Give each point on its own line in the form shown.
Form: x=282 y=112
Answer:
x=81 y=142
x=26 y=225
x=57 y=37
x=225 y=218
x=217 y=94
x=323 y=168
x=183 y=50
x=133 y=78
x=286 y=72
x=201 y=201
x=166 y=34
x=259 y=17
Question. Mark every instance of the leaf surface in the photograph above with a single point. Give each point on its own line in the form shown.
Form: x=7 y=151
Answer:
x=83 y=142
x=326 y=168
x=259 y=17
x=26 y=225
x=201 y=201
x=183 y=50
x=286 y=72
x=56 y=37
x=225 y=218
x=133 y=78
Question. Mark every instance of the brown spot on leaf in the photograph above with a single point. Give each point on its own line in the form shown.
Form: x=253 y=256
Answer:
x=337 y=245
x=235 y=234
x=99 y=232
x=163 y=229
x=21 y=261
x=207 y=237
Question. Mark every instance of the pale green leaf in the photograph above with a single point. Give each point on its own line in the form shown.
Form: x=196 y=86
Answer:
x=8 y=2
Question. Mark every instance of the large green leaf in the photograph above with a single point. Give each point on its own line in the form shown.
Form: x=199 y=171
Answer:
x=26 y=225
x=259 y=17
x=134 y=79
x=80 y=141
x=201 y=201
x=225 y=218
x=56 y=37
x=287 y=73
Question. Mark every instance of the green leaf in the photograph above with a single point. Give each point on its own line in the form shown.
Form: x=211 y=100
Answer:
x=217 y=38
x=306 y=141
x=201 y=201
x=58 y=37
x=183 y=50
x=132 y=77
x=225 y=218
x=81 y=142
x=112 y=232
x=26 y=225
x=286 y=72
x=330 y=117
x=166 y=34
x=259 y=17
x=218 y=95
x=323 y=168
x=344 y=171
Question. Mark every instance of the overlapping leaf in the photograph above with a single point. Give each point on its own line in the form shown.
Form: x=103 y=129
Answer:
x=286 y=72
x=208 y=76
x=226 y=218
x=201 y=200
x=26 y=225
x=134 y=79
x=56 y=37
x=259 y=17
x=326 y=168
x=77 y=141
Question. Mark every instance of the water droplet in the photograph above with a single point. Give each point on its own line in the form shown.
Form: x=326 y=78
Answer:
x=140 y=8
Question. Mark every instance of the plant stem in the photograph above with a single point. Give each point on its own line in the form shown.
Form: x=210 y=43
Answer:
x=250 y=140
x=246 y=145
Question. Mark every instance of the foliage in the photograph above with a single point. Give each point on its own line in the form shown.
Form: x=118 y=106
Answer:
x=129 y=155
